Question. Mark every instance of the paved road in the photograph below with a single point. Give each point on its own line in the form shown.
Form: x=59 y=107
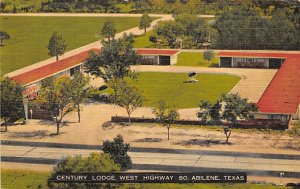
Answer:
x=160 y=159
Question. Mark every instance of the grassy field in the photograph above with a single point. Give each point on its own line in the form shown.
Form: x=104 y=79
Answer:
x=12 y=179
x=30 y=35
x=20 y=179
x=171 y=87
x=195 y=59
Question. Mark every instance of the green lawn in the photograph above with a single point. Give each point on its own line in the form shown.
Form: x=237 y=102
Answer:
x=171 y=87
x=143 y=41
x=30 y=35
x=15 y=179
x=196 y=59
x=12 y=179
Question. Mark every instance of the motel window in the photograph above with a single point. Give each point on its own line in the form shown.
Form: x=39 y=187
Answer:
x=278 y=117
x=74 y=70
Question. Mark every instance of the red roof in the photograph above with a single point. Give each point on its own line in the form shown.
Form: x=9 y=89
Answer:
x=53 y=68
x=283 y=93
x=156 y=52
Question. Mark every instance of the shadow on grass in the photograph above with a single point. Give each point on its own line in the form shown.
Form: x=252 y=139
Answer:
x=214 y=65
x=206 y=143
x=148 y=140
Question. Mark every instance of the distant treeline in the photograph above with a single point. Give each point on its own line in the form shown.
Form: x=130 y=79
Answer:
x=264 y=7
x=240 y=28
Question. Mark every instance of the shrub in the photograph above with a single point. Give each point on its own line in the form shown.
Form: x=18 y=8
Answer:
x=153 y=39
x=94 y=163
x=295 y=130
x=117 y=149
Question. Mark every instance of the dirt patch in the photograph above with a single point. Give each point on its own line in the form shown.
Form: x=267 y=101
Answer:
x=91 y=130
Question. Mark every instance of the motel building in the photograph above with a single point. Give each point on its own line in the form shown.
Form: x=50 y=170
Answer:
x=158 y=56
x=281 y=99
x=32 y=77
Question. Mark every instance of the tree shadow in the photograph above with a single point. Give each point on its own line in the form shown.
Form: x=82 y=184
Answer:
x=205 y=143
x=46 y=122
x=31 y=134
x=53 y=123
x=148 y=140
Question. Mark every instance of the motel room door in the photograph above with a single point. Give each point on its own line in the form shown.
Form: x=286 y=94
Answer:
x=164 y=60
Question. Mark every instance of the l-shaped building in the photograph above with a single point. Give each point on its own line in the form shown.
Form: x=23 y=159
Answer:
x=280 y=100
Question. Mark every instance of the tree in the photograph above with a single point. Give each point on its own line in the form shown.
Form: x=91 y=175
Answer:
x=15 y=10
x=114 y=61
x=243 y=28
x=129 y=97
x=107 y=4
x=283 y=33
x=108 y=31
x=295 y=129
x=165 y=115
x=11 y=100
x=227 y=132
x=145 y=23
x=215 y=113
x=2 y=6
x=117 y=149
x=169 y=31
x=208 y=55
x=57 y=45
x=233 y=27
x=159 y=4
x=192 y=4
x=56 y=97
x=236 y=107
x=3 y=36
x=195 y=28
x=79 y=91
x=94 y=163
x=205 y=109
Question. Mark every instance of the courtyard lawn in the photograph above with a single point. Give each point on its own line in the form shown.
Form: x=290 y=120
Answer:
x=30 y=36
x=15 y=179
x=196 y=59
x=171 y=87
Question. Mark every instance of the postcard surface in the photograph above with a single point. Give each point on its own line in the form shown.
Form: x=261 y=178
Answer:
x=150 y=94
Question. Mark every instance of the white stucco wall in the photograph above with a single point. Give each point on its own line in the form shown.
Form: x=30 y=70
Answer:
x=173 y=59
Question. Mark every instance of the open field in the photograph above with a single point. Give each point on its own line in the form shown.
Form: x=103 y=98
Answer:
x=21 y=179
x=29 y=40
x=36 y=5
x=171 y=87
x=196 y=59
